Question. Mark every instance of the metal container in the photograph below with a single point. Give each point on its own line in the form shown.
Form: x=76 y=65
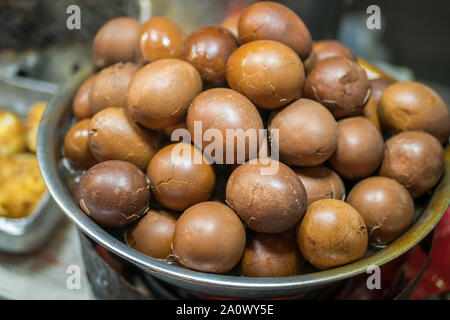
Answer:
x=26 y=234
x=57 y=119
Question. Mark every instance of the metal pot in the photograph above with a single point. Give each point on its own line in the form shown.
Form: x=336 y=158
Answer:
x=56 y=120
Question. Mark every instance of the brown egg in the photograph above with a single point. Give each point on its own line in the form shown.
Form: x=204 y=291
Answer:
x=180 y=176
x=331 y=234
x=386 y=207
x=321 y=183
x=339 y=84
x=160 y=38
x=359 y=150
x=76 y=145
x=153 y=234
x=209 y=237
x=332 y=48
x=414 y=106
x=267 y=72
x=267 y=195
x=271 y=255
x=116 y=42
x=415 y=159
x=222 y=109
x=371 y=109
x=160 y=93
x=378 y=86
x=208 y=50
x=114 y=193
x=113 y=135
x=110 y=87
x=231 y=24
x=273 y=21
x=80 y=107
x=307 y=131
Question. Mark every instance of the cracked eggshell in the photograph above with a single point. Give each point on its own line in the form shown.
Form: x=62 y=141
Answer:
x=180 y=176
x=359 y=149
x=223 y=109
x=267 y=195
x=339 y=84
x=80 y=107
x=386 y=207
x=308 y=133
x=153 y=233
x=271 y=255
x=110 y=87
x=209 y=237
x=208 y=49
x=268 y=20
x=113 y=135
x=267 y=72
x=414 y=106
x=116 y=41
x=113 y=193
x=321 y=183
x=332 y=233
x=159 y=38
x=160 y=93
x=415 y=159
x=76 y=145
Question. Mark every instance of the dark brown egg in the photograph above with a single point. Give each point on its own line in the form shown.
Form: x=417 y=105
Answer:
x=160 y=93
x=222 y=109
x=271 y=255
x=307 y=131
x=113 y=135
x=110 y=87
x=231 y=24
x=208 y=50
x=153 y=234
x=386 y=207
x=160 y=38
x=114 y=193
x=209 y=237
x=267 y=195
x=116 y=42
x=415 y=159
x=80 y=107
x=76 y=145
x=267 y=72
x=273 y=21
x=331 y=234
x=371 y=109
x=412 y=105
x=332 y=48
x=339 y=84
x=359 y=150
x=321 y=183
x=180 y=176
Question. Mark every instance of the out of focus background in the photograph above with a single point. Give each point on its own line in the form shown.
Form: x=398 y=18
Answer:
x=38 y=53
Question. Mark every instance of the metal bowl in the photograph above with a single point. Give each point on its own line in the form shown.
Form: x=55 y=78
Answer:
x=56 y=120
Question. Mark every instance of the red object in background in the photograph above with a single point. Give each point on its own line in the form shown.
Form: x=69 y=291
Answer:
x=436 y=278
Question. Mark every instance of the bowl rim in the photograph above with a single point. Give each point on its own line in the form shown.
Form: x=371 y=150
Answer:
x=48 y=153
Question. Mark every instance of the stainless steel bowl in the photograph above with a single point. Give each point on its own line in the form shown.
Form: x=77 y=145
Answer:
x=55 y=123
